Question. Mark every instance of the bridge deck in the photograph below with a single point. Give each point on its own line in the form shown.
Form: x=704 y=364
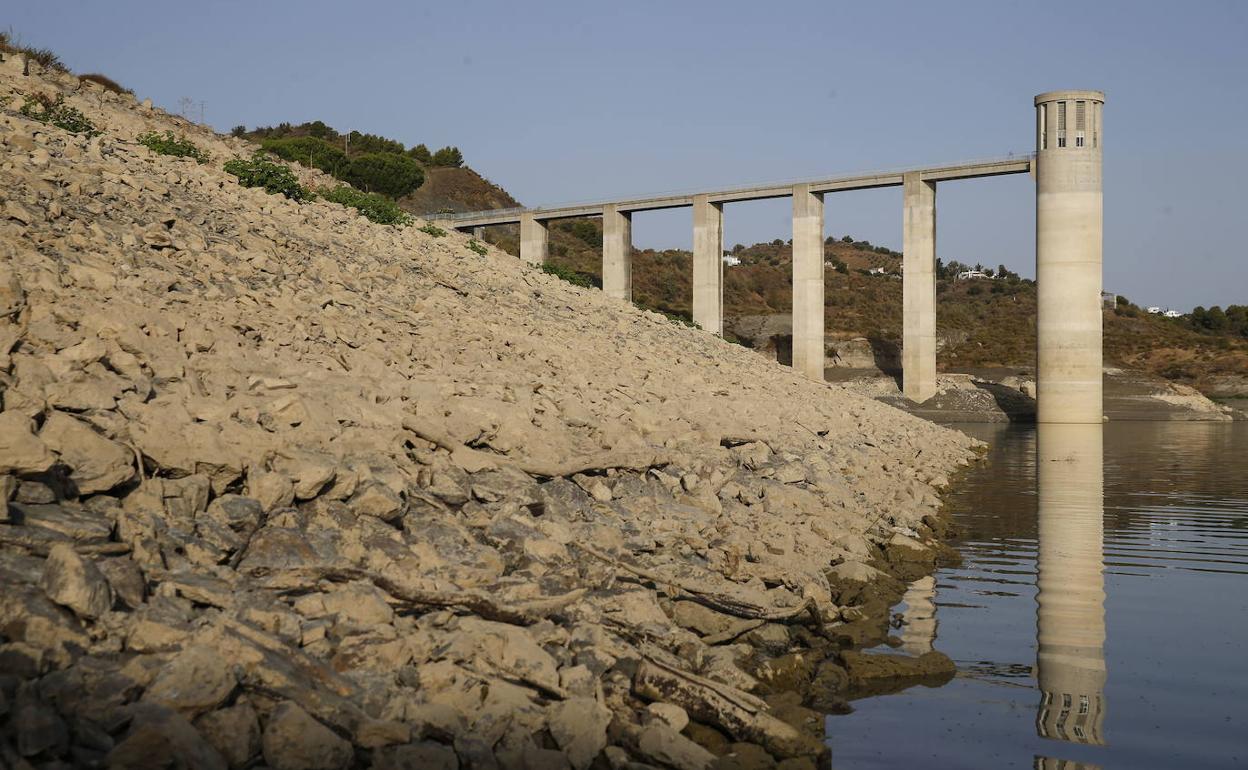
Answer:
x=1020 y=164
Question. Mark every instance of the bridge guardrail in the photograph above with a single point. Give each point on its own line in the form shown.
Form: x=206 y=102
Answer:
x=463 y=215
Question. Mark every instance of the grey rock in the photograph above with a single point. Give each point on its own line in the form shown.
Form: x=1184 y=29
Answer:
x=233 y=731
x=425 y=755
x=293 y=740
x=73 y=581
x=195 y=681
x=161 y=737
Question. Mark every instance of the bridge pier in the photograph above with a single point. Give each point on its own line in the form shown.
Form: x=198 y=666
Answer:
x=534 y=236
x=708 y=264
x=918 y=347
x=808 y=346
x=1068 y=256
x=617 y=253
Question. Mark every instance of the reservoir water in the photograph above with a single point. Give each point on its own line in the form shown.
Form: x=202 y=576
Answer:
x=1099 y=618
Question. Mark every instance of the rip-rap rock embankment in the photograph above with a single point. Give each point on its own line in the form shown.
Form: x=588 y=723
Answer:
x=287 y=488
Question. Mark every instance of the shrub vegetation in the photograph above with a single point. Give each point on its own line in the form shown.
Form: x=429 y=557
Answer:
x=107 y=82
x=370 y=162
x=567 y=274
x=434 y=230
x=56 y=112
x=168 y=144
x=478 y=247
x=386 y=173
x=308 y=151
x=377 y=208
x=275 y=178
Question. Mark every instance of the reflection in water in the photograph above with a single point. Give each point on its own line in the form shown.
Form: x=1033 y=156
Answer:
x=1070 y=599
x=919 y=617
x=1171 y=626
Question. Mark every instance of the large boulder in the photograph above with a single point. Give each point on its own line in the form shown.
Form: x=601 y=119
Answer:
x=161 y=737
x=21 y=451
x=233 y=731
x=96 y=463
x=75 y=582
x=293 y=740
x=196 y=681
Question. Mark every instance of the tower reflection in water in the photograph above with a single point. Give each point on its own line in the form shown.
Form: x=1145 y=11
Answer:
x=1071 y=587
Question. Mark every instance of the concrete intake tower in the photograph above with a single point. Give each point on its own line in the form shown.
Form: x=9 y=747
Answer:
x=1068 y=256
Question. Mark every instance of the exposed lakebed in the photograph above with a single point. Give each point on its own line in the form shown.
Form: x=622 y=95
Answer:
x=1099 y=617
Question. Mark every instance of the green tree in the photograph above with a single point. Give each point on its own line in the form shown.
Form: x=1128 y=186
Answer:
x=308 y=151
x=318 y=129
x=586 y=231
x=367 y=144
x=448 y=156
x=422 y=155
x=385 y=173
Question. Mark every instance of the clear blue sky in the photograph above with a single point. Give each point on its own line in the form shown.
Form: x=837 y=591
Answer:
x=559 y=101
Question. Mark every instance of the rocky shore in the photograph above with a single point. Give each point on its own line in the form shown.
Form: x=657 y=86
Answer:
x=285 y=488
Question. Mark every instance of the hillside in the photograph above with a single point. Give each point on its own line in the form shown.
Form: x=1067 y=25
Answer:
x=284 y=487
x=980 y=323
x=456 y=189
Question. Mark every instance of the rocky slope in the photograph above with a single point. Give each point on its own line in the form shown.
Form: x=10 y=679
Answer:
x=288 y=488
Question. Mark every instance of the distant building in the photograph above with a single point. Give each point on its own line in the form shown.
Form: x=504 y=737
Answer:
x=731 y=261
x=1154 y=310
x=967 y=275
x=877 y=271
x=1172 y=314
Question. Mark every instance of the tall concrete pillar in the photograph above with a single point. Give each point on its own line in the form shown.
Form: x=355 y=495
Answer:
x=478 y=233
x=1070 y=582
x=1068 y=256
x=708 y=264
x=533 y=239
x=808 y=348
x=617 y=253
x=918 y=344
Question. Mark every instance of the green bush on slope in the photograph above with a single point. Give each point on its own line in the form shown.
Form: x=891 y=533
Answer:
x=55 y=112
x=307 y=151
x=168 y=144
x=385 y=173
x=275 y=178
x=377 y=208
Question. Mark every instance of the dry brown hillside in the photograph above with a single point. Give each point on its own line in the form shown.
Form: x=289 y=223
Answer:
x=456 y=189
x=980 y=323
x=285 y=487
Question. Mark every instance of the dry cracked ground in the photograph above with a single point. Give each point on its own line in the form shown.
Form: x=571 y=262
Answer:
x=289 y=489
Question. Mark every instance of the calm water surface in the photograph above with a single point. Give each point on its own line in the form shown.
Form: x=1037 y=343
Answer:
x=1100 y=616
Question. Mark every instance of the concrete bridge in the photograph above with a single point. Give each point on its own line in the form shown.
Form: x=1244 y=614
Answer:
x=1067 y=170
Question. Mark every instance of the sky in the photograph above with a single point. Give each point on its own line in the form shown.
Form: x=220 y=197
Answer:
x=577 y=99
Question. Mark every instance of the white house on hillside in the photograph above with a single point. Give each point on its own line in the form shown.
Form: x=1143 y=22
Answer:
x=967 y=275
x=731 y=261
